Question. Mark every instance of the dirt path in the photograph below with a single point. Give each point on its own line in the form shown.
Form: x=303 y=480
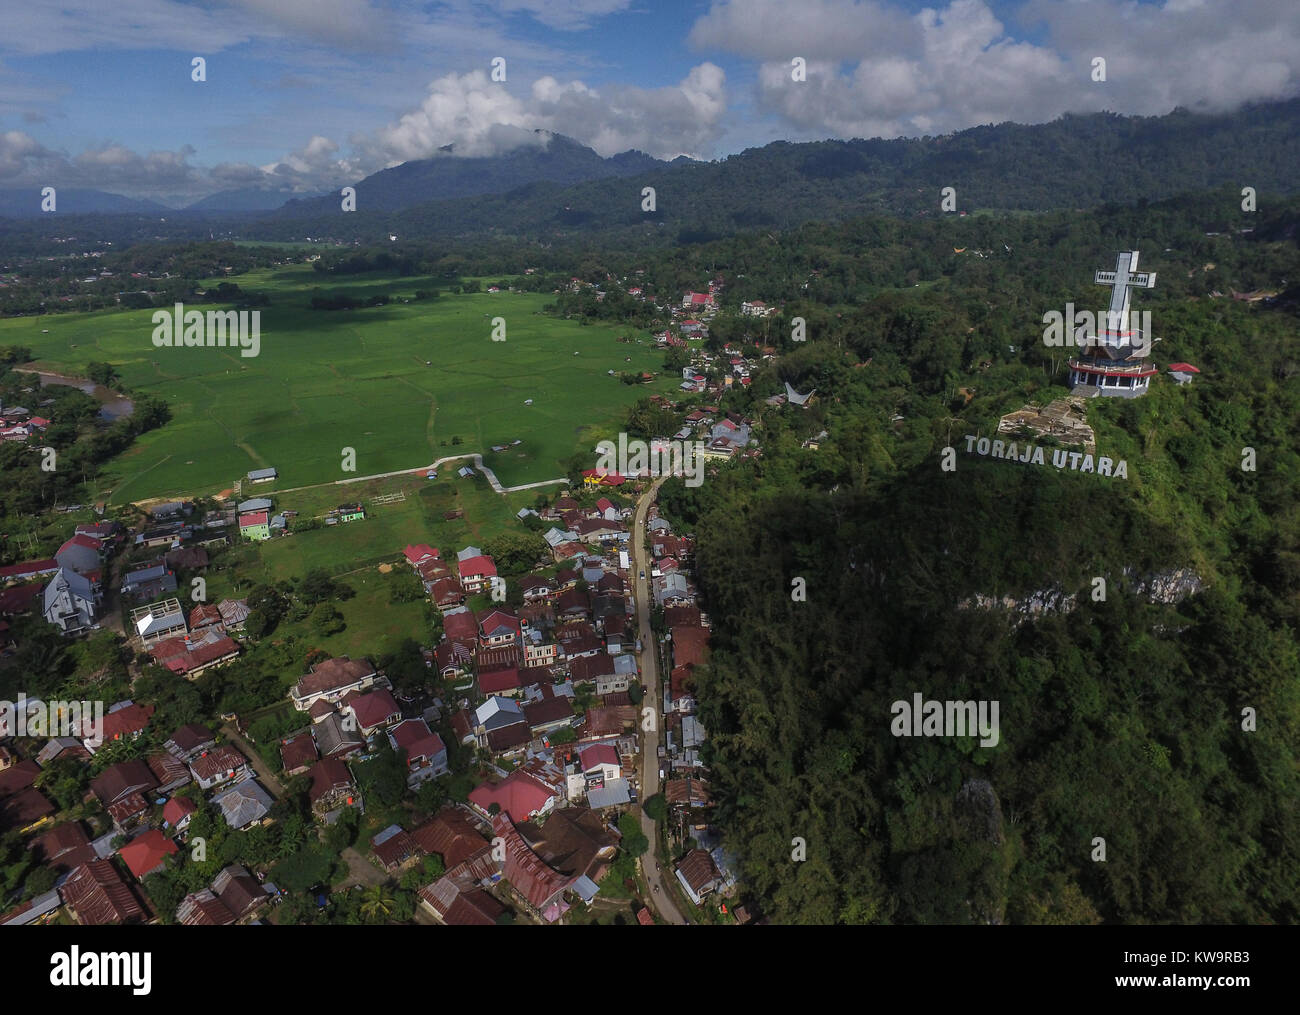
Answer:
x=360 y=871
x=264 y=774
x=474 y=456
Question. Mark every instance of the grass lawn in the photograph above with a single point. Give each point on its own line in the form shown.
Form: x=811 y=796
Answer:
x=388 y=528
x=396 y=383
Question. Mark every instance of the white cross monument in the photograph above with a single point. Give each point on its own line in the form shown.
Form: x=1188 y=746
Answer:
x=1123 y=280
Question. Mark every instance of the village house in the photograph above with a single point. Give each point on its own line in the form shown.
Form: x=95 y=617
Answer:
x=498 y=628
x=538 y=884
x=221 y=764
x=123 y=721
x=476 y=572
x=416 y=554
x=336 y=738
x=519 y=796
x=394 y=848
x=158 y=621
x=332 y=788
x=169 y=770
x=374 y=711
x=97 y=895
x=331 y=680
x=190 y=741
x=243 y=804
x=147 y=853
x=149 y=582
x=177 y=813
x=426 y=754
x=255 y=526
x=298 y=753
x=190 y=656
x=698 y=875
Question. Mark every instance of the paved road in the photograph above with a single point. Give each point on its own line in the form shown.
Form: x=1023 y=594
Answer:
x=661 y=900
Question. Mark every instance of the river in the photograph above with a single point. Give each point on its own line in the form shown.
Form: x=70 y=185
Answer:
x=114 y=405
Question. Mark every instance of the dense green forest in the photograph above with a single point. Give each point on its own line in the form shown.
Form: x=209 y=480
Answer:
x=1121 y=720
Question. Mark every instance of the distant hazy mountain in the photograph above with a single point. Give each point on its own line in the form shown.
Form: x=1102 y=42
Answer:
x=446 y=176
x=25 y=202
x=246 y=199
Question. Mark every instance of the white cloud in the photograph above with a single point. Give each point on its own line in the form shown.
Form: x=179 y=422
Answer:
x=566 y=15
x=481 y=117
x=19 y=152
x=109 y=166
x=872 y=70
x=347 y=24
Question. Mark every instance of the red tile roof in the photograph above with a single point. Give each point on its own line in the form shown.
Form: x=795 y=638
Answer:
x=482 y=565
x=419 y=551
x=415 y=737
x=83 y=541
x=19 y=777
x=126 y=721
x=499 y=681
x=548 y=710
x=175 y=810
x=599 y=754
x=461 y=627
x=146 y=853
x=375 y=708
x=183 y=658
x=252 y=518
x=519 y=794
x=395 y=848
x=29 y=567
x=690 y=645
x=333 y=674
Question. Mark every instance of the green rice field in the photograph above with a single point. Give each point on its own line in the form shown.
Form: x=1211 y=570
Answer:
x=396 y=383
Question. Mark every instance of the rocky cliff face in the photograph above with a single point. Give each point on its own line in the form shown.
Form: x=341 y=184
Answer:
x=1165 y=587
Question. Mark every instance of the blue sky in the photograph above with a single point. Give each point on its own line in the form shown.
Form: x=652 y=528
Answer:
x=306 y=94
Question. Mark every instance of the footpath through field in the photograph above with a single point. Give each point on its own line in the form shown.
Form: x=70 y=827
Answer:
x=478 y=462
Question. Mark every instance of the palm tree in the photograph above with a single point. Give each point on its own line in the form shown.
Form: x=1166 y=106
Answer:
x=376 y=903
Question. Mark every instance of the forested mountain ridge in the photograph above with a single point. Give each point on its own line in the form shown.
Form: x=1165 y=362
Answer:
x=1122 y=720
x=1075 y=162
x=448 y=176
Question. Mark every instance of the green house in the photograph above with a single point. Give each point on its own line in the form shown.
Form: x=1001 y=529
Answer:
x=350 y=513
x=255 y=525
